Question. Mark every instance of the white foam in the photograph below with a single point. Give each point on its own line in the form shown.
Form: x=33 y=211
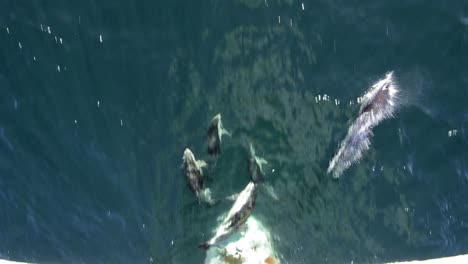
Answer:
x=253 y=246
x=452 y=133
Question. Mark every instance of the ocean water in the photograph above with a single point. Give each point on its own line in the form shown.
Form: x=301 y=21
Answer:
x=99 y=98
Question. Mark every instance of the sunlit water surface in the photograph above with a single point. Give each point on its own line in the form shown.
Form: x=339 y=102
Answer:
x=99 y=99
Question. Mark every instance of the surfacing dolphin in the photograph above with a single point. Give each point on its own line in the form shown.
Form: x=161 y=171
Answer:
x=379 y=103
x=236 y=217
x=194 y=175
x=215 y=133
x=257 y=173
x=256 y=166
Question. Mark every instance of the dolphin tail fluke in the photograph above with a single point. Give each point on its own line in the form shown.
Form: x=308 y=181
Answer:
x=205 y=246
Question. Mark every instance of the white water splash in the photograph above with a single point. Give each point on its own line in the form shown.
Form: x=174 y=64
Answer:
x=252 y=246
x=452 y=133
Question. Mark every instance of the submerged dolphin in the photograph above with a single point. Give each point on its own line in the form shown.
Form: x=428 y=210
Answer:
x=215 y=132
x=256 y=166
x=237 y=216
x=257 y=173
x=194 y=175
x=379 y=103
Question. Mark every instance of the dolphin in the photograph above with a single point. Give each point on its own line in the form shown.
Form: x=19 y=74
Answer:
x=236 y=217
x=194 y=175
x=215 y=133
x=257 y=173
x=377 y=104
x=256 y=166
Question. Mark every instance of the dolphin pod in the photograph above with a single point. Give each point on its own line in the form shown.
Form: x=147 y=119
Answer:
x=377 y=104
x=244 y=202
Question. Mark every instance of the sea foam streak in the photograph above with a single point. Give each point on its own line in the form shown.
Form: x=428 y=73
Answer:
x=379 y=103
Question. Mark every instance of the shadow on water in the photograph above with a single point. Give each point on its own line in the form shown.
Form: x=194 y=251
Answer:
x=94 y=122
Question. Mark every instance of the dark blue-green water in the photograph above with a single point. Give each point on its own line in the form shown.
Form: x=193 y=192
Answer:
x=89 y=182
